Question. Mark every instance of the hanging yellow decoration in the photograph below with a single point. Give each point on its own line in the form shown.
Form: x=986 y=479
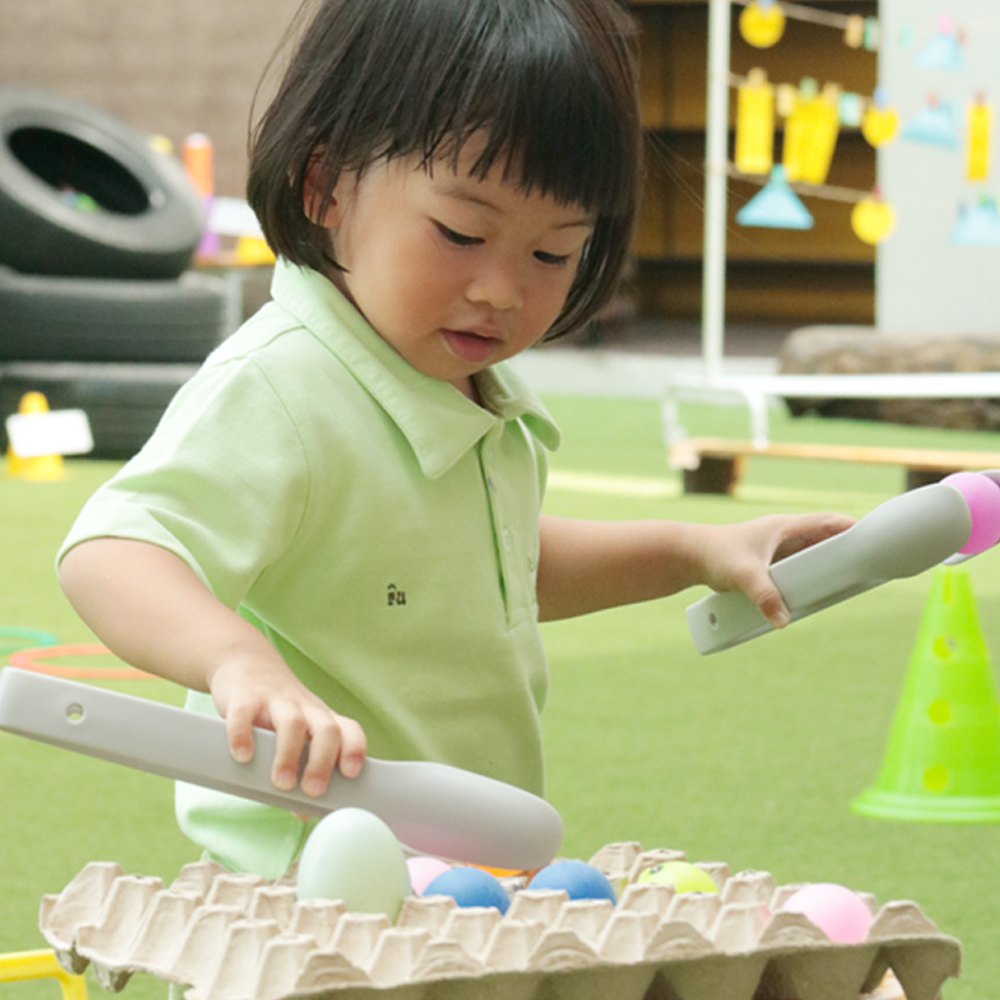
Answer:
x=854 y=33
x=755 y=124
x=762 y=23
x=879 y=125
x=872 y=219
x=979 y=135
x=786 y=97
x=810 y=137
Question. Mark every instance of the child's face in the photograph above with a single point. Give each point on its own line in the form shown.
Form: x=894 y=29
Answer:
x=455 y=273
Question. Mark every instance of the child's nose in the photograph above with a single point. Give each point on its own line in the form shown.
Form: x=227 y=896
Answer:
x=498 y=286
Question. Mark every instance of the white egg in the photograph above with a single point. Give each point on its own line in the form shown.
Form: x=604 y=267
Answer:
x=352 y=855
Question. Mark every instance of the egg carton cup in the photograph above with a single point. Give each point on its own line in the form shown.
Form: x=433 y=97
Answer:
x=225 y=936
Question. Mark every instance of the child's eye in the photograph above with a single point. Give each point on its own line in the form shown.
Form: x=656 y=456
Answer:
x=459 y=239
x=556 y=260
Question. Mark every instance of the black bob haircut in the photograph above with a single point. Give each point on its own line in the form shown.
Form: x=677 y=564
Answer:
x=551 y=83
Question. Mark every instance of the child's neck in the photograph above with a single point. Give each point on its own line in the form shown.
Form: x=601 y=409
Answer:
x=469 y=388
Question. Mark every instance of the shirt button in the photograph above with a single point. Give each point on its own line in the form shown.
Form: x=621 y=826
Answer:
x=491 y=483
x=532 y=564
x=508 y=542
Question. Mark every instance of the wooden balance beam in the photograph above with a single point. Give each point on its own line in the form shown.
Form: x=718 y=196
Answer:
x=714 y=465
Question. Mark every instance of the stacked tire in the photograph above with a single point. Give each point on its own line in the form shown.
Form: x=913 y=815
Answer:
x=98 y=307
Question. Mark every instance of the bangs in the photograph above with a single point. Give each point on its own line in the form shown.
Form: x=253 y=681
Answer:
x=547 y=110
x=521 y=72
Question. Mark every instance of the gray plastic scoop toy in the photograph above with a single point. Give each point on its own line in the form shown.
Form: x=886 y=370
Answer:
x=431 y=808
x=902 y=537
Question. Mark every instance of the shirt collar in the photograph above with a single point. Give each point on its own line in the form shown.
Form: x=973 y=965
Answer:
x=439 y=422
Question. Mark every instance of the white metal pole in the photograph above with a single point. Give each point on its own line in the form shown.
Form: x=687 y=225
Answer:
x=713 y=292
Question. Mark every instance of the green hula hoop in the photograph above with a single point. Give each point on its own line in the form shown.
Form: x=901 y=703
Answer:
x=15 y=637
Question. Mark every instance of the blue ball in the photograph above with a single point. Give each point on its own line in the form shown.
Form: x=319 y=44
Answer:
x=580 y=880
x=469 y=887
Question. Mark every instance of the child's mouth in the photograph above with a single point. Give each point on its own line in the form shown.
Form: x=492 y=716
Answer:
x=470 y=347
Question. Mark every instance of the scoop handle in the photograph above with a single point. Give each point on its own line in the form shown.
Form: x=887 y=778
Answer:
x=902 y=537
x=431 y=808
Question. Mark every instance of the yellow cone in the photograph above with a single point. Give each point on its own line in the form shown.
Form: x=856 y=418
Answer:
x=252 y=250
x=36 y=467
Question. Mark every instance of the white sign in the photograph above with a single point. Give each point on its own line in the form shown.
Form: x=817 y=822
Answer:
x=232 y=217
x=57 y=432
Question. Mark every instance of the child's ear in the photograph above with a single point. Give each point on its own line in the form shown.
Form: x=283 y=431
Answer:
x=314 y=189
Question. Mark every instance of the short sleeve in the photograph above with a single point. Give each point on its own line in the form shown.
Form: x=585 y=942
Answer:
x=222 y=483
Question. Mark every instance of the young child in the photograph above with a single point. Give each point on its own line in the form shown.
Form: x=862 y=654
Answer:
x=336 y=530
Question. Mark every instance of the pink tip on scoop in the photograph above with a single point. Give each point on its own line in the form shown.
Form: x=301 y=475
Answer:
x=982 y=495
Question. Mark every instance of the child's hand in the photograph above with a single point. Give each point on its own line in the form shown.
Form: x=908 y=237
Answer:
x=149 y=607
x=262 y=691
x=737 y=556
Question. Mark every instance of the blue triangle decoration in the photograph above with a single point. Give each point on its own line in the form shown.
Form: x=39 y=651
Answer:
x=934 y=125
x=943 y=51
x=978 y=225
x=777 y=206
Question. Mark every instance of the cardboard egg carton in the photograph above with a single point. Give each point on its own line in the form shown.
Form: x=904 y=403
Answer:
x=241 y=937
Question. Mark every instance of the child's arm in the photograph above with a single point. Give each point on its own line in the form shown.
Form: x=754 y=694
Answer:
x=150 y=608
x=587 y=566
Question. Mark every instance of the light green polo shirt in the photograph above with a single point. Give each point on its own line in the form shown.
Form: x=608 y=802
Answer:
x=379 y=527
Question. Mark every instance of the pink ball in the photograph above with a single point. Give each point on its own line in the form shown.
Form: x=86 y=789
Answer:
x=982 y=495
x=838 y=912
x=423 y=871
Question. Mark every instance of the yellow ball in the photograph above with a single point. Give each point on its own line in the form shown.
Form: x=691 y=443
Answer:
x=761 y=26
x=684 y=877
x=872 y=220
x=879 y=125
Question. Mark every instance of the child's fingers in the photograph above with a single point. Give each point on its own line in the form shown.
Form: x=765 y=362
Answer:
x=291 y=732
x=239 y=731
x=353 y=747
x=298 y=719
x=335 y=739
x=801 y=532
x=772 y=607
x=807 y=530
x=324 y=748
x=798 y=533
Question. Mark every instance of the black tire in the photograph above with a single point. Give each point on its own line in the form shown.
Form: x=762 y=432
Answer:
x=124 y=403
x=148 y=218
x=95 y=319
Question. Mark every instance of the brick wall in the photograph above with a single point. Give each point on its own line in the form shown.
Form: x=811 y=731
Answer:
x=166 y=66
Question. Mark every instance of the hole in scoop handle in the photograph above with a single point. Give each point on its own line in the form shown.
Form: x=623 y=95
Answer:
x=431 y=808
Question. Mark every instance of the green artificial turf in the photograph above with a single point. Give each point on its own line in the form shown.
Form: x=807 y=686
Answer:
x=60 y=810
x=751 y=756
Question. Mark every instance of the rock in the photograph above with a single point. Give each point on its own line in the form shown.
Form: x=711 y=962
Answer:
x=863 y=350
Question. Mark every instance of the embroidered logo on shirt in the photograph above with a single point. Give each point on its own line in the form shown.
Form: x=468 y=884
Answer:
x=395 y=596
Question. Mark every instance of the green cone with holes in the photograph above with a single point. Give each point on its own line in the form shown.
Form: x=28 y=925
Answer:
x=942 y=762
